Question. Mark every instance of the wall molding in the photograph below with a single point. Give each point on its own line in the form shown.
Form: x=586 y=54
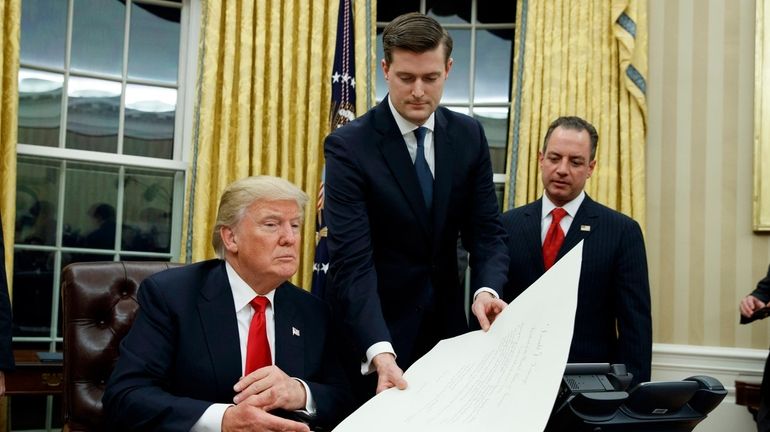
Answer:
x=675 y=362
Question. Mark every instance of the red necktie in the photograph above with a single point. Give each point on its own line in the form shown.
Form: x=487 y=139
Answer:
x=554 y=238
x=257 y=347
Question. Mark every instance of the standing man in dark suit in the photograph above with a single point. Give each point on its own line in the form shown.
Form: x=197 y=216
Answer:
x=757 y=300
x=7 y=363
x=613 y=322
x=401 y=182
x=221 y=344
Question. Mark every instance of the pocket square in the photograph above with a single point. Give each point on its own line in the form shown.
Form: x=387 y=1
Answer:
x=294 y=331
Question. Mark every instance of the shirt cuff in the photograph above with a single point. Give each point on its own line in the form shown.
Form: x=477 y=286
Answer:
x=485 y=289
x=309 y=401
x=378 y=348
x=211 y=420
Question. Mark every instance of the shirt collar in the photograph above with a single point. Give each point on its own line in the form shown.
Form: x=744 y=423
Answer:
x=571 y=207
x=405 y=126
x=242 y=292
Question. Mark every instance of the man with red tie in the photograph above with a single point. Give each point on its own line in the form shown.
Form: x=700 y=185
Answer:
x=613 y=322
x=229 y=344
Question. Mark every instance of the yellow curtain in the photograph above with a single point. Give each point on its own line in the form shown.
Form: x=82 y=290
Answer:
x=10 y=19
x=264 y=89
x=584 y=58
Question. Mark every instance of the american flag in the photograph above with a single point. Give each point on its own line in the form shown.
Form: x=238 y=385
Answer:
x=343 y=110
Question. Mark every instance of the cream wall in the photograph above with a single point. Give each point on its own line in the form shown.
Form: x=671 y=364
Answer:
x=703 y=255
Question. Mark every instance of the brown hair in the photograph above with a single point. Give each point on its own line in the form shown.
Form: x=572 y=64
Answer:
x=415 y=32
x=573 y=123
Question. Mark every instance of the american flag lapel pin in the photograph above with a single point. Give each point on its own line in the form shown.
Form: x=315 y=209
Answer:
x=585 y=227
x=294 y=331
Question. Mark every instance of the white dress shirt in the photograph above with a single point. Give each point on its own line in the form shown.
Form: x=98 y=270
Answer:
x=211 y=420
x=571 y=207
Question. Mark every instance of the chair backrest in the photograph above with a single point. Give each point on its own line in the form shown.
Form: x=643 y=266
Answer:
x=99 y=305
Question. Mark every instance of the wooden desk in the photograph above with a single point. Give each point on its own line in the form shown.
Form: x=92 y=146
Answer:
x=747 y=393
x=33 y=377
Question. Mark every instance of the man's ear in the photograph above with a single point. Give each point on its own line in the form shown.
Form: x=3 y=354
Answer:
x=228 y=238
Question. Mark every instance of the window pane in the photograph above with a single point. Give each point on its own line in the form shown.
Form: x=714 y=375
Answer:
x=495 y=122
x=43 y=32
x=97 y=36
x=149 y=126
x=93 y=111
x=90 y=199
x=32 y=292
x=493 y=66
x=147 y=211
x=37 y=197
x=496 y=12
x=40 y=96
x=460 y=109
x=388 y=10
x=153 y=49
x=456 y=88
x=450 y=12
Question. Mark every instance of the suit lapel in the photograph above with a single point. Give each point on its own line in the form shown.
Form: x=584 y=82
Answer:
x=216 y=308
x=531 y=232
x=582 y=226
x=289 y=326
x=442 y=185
x=393 y=149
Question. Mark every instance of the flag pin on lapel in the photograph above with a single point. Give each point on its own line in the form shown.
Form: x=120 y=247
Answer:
x=294 y=331
x=585 y=227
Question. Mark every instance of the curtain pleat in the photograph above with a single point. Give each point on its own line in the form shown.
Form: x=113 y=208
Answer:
x=10 y=21
x=584 y=58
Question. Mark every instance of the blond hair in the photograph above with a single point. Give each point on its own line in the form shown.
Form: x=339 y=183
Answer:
x=241 y=194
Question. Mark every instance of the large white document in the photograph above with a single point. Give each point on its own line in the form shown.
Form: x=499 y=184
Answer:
x=489 y=381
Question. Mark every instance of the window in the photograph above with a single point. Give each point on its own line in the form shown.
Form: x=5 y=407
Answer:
x=101 y=167
x=479 y=83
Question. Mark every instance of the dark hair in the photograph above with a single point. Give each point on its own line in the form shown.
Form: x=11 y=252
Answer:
x=415 y=32
x=103 y=212
x=574 y=123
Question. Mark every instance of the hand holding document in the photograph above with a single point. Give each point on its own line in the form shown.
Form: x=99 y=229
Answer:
x=489 y=381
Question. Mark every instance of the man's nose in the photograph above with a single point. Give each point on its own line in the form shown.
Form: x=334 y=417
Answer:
x=562 y=166
x=288 y=235
x=417 y=90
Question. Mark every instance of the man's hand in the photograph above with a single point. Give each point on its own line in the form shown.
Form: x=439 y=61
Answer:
x=388 y=373
x=486 y=308
x=749 y=304
x=245 y=417
x=2 y=383
x=270 y=388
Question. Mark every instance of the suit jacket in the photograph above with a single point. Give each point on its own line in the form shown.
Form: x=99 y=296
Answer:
x=762 y=291
x=613 y=322
x=393 y=262
x=182 y=353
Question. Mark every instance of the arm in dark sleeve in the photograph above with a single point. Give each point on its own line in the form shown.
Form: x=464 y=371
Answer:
x=330 y=387
x=483 y=234
x=136 y=397
x=6 y=321
x=632 y=297
x=353 y=287
x=762 y=291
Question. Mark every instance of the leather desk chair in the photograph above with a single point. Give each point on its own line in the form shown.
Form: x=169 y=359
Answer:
x=99 y=306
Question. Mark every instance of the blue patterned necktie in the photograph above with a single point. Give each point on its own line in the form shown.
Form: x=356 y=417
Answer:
x=424 y=175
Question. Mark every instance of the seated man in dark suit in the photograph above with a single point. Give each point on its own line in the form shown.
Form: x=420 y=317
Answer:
x=196 y=360
x=613 y=323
